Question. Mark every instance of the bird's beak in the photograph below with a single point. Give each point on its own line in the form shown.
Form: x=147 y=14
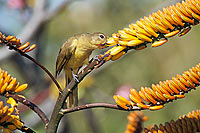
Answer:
x=101 y=46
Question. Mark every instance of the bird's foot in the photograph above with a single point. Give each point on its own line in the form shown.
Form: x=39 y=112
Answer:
x=75 y=77
x=97 y=57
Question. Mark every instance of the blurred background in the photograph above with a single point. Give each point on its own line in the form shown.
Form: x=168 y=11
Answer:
x=49 y=23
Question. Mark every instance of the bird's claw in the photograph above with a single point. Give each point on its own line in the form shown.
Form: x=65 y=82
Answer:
x=96 y=57
x=75 y=77
x=102 y=59
x=100 y=64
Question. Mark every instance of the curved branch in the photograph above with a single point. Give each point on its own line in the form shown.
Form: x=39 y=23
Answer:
x=46 y=70
x=37 y=63
x=31 y=105
x=96 y=105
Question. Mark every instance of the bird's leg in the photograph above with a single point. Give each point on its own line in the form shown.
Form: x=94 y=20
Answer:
x=75 y=77
x=96 y=57
x=102 y=59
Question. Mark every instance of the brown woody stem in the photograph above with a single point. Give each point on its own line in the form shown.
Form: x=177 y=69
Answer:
x=31 y=105
x=96 y=105
x=37 y=63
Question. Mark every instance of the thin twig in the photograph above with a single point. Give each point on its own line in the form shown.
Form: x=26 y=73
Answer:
x=37 y=63
x=46 y=70
x=97 y=105
x=31 y=105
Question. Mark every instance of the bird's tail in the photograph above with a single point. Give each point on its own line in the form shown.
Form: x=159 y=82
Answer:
x=72 y=99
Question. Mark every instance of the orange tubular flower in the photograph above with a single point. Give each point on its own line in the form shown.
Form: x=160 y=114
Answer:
x=9 y=84
x=13 y=43
x=135 y=122
x=154 y=98
x=185 y=124
x=9 y=117
x=155 y=29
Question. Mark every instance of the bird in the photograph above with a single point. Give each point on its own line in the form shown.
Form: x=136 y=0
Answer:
x=75 y=53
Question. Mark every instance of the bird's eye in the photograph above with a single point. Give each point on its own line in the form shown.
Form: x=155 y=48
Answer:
x=102 y=36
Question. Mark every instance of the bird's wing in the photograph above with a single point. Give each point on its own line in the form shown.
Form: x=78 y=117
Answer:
x=65 y=54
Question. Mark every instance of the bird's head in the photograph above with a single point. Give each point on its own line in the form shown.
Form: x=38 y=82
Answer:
x=99 y=40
